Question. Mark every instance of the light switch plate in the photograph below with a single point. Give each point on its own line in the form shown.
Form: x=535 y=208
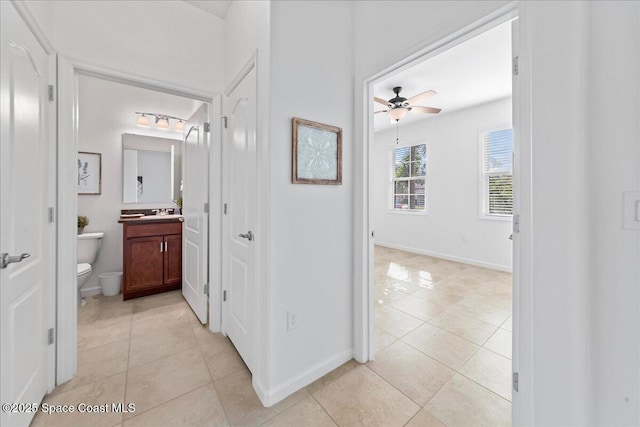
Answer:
x=632 y=210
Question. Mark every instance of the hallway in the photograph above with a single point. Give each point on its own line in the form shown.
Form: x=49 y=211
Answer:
x=443 y=358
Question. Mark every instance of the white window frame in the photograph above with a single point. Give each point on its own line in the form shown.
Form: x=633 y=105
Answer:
x=484 y=191
x=392 y=173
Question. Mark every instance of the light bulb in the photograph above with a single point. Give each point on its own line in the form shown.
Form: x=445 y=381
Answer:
x=162 y=123
x=397 y=113
x=143 y=121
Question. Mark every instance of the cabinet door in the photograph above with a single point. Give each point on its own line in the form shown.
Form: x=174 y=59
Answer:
x=173 y=259
x=144 y=263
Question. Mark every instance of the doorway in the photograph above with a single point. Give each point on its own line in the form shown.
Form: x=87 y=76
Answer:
x=422 y=269
x=68 y=125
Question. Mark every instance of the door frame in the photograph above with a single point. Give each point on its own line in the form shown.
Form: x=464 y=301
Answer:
x=363 y=320
x=68 y=70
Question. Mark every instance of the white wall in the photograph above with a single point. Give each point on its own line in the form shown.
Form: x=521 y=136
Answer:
x=169 y=41
x=615 y=167
x=106 y=111
x=452 y=227
x=311 y=260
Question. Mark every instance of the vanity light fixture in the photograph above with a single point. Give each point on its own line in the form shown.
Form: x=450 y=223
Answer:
x=162 y=121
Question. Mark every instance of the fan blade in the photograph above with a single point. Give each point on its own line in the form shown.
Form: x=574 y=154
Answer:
x=381 y=111
x=421 y=96
x=426 y=110
x=381 y=101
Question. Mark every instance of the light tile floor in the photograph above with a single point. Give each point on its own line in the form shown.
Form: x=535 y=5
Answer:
x=443 y=358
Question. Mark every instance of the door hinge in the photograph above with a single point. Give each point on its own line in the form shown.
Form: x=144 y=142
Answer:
x=225 y=209
x=51 y=336
x=51 y=92
x=224 y=120
x=206 y=289
x=207 y=127
x=206 y=208
x=515 y=65
x=516 y=223
x=52 y=217
x=515 y=381
x=372 y=233
x=224 y=296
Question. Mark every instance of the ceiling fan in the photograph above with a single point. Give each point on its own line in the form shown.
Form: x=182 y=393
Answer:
x=399 y=106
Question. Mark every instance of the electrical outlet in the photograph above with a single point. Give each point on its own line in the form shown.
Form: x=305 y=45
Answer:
x=293 y=317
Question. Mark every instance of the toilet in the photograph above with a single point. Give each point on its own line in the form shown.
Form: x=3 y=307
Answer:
x=88 y=247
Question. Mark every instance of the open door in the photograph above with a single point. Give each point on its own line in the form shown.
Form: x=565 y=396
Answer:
x=26 y=270
x=195 y=195
x=239 y=220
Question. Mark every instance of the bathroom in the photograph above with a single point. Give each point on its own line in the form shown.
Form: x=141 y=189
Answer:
x=107 y=122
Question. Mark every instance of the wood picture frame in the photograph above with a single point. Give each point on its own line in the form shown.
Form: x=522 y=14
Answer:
x=89 y=173
x=316 y=153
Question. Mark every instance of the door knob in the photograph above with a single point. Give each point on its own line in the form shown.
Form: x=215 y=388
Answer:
x=248 y=235
x=7 y=259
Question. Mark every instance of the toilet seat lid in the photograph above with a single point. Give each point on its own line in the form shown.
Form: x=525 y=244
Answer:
x=84 y=268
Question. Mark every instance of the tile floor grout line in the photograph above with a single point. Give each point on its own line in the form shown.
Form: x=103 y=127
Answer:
x=224 y=411
x=168 y=401
x=395 y=388
x=431 y=358
x=323 y=409
x=483 y=386
x=495 y=352
x=442 y=363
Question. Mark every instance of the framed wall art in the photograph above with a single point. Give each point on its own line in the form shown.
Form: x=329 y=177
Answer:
x=317 y=153
x=89 y=173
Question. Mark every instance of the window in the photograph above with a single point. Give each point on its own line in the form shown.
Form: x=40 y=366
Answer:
x=497 y=171
x=409 y=170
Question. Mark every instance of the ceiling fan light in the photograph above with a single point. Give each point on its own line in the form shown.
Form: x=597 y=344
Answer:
x=398 y=113
x=162 y=123
x=143 y=121
x=180 y=125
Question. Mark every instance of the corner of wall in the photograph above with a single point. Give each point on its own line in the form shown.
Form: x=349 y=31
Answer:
x=271 y=396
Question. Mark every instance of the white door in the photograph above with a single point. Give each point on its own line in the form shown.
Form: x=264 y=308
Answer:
x=239 y=195
x=26 y=286
x=195 y=196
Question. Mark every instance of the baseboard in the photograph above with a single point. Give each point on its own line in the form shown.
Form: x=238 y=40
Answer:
x=90 y=291
x=477 y=263
x=275 y=395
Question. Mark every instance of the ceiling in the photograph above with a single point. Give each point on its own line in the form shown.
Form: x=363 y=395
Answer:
x=218 y=8
x=471 y=73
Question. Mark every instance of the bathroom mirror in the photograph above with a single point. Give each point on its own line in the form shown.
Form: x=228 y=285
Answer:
x=151 y=169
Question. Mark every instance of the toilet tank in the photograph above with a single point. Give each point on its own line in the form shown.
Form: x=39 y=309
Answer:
x=88 y=246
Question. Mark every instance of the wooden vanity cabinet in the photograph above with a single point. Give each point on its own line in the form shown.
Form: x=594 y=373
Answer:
x=152 y=258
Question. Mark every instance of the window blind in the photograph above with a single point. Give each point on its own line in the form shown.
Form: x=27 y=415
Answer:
x=497 y=163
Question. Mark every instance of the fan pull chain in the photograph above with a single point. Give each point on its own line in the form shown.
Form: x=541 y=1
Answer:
x=397 y=125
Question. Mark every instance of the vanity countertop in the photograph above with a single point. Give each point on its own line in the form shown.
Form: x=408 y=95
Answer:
x=152 y=218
